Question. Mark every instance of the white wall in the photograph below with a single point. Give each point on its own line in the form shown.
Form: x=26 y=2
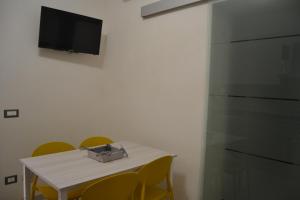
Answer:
x=156 y=71
x=150 y=86
x=58 y=94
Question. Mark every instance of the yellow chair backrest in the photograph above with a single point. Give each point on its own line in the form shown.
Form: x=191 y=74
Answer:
x=117 y=187
x=95 y=141
x=44 y=149
x=156 y=171
x=52 y=147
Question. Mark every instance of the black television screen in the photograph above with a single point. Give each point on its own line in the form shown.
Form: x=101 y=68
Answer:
x=67 y=31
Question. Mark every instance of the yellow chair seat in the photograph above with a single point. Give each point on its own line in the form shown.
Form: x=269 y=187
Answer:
x=51 y=194
x=155 y=193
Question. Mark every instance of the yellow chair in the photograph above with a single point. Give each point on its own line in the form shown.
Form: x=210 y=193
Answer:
x=116 y=187
x=150 y=178
x=95 y=141
x=47 y=191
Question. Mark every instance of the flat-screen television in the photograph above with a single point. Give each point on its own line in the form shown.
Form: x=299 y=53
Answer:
x=67 y=31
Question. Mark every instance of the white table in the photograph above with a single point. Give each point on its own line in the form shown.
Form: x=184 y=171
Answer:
x=66 y=170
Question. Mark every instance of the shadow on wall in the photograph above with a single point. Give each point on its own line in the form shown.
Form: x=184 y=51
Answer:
x=78 y=58
x=179 y=186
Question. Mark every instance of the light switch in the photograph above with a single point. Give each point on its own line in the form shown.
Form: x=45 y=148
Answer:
x=12 y=113
x=11 y=179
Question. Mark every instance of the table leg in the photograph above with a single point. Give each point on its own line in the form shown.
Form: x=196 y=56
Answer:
x=27 y=176
x=62 y=195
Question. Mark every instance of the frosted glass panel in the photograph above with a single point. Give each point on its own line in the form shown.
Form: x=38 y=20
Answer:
x=253 y=127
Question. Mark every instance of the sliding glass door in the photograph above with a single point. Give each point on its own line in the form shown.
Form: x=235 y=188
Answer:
x=253 y=132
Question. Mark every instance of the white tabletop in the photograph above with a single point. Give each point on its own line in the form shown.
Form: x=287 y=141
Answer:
x=68 y=169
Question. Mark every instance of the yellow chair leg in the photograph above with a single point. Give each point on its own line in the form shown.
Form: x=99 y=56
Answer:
x=32 y=192
x=170 y=187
